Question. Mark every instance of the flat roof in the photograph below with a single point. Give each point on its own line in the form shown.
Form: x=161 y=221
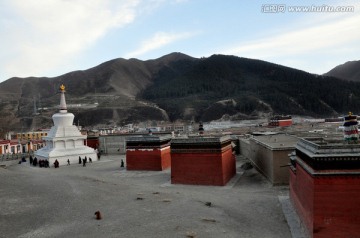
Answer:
x=277 y=142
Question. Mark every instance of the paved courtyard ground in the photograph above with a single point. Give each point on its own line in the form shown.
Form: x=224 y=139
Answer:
x=49 y=202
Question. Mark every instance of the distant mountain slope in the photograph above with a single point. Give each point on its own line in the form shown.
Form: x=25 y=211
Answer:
x=348 y=71
x=173 y=87
x=251 y=86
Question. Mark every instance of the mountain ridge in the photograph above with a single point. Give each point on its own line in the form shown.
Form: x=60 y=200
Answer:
x=175 y=87
x=348 y=71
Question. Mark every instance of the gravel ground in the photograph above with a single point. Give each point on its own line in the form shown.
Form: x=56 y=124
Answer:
x=49 y=202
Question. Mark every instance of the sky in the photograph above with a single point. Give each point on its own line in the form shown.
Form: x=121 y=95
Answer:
x=48 y=38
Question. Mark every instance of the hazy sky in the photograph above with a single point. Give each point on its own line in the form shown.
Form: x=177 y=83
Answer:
x=53 y=37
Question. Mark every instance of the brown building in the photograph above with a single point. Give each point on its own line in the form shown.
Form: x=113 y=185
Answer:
x=202 y=160
x=325 y=187
x=269 y=154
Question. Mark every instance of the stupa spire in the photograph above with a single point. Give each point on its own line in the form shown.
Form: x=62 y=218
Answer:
x=63 y=108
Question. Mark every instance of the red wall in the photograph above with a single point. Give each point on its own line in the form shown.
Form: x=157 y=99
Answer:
x=228 y=165
x=302 y=196
x=148 y=160
x=285 y=123
x=202 y=168
x=337 y=206
x=328 y=205
x=93 y=143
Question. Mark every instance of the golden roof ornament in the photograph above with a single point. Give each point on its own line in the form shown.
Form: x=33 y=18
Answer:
x=62 y=88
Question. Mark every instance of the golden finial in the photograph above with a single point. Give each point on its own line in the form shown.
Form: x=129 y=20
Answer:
x=350 y=113
x=62 y=88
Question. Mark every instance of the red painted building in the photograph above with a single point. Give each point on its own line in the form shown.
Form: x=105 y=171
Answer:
x=280 y=121
x=202 y=160
x=92 y=141
x=325 y=187
x=148 y=152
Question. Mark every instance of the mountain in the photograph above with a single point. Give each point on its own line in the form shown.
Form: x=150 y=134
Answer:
x=175 y=87
x=348 y=71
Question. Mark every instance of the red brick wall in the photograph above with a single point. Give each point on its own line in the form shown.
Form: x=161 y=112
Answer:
x=337 y=206
x=228 y=165
x=285 y=123
x=93 y=143
x=328 y=206
x=202 y=168
x=302 y=196
x=148 y=160
x=165 y=158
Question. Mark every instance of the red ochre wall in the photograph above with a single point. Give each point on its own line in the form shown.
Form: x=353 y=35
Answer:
x=202 y=168
x=285 y=123
x=302 y=196
x=330 y=207
x=337 y=206
x=93 y=143
x=148 y=160
x=228 y=165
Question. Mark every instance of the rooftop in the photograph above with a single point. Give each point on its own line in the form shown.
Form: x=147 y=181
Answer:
x=277 y=141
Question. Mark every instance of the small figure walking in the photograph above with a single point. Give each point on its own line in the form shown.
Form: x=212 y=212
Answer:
x=79 y=160
x=90 y=160
x=122 y=164
x=68 y=162
x=84 y=162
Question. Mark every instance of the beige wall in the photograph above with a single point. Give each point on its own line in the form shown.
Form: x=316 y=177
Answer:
x=244 y=147
x=262 y=159
x=270 y=161
x=280 y=168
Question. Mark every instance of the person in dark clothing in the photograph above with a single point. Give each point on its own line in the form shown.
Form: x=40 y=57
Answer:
x=56 y=163
x=90 y=160
x=122 y=164
x=79 y=160
x=68 y=162
x=84 y=162
x=31 y=160
x=35 y=161
x=85 y=159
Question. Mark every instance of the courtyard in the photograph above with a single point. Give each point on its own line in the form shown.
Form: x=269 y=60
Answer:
x=49 y=202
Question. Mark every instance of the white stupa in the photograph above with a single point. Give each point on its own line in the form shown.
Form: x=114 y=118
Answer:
x=64 y=140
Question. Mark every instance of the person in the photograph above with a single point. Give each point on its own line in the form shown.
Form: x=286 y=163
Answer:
x=31 y=160
x=56 y=163
x=84 y=162
x=35 y=161
x=68 y=162
x=85 y=159
x=122 y=164
x=90 y=160
x=79 y=160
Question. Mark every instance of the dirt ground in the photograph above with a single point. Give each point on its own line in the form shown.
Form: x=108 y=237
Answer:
x=49 y=202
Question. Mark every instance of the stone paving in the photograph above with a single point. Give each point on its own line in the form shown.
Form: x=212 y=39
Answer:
x=49 y=202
